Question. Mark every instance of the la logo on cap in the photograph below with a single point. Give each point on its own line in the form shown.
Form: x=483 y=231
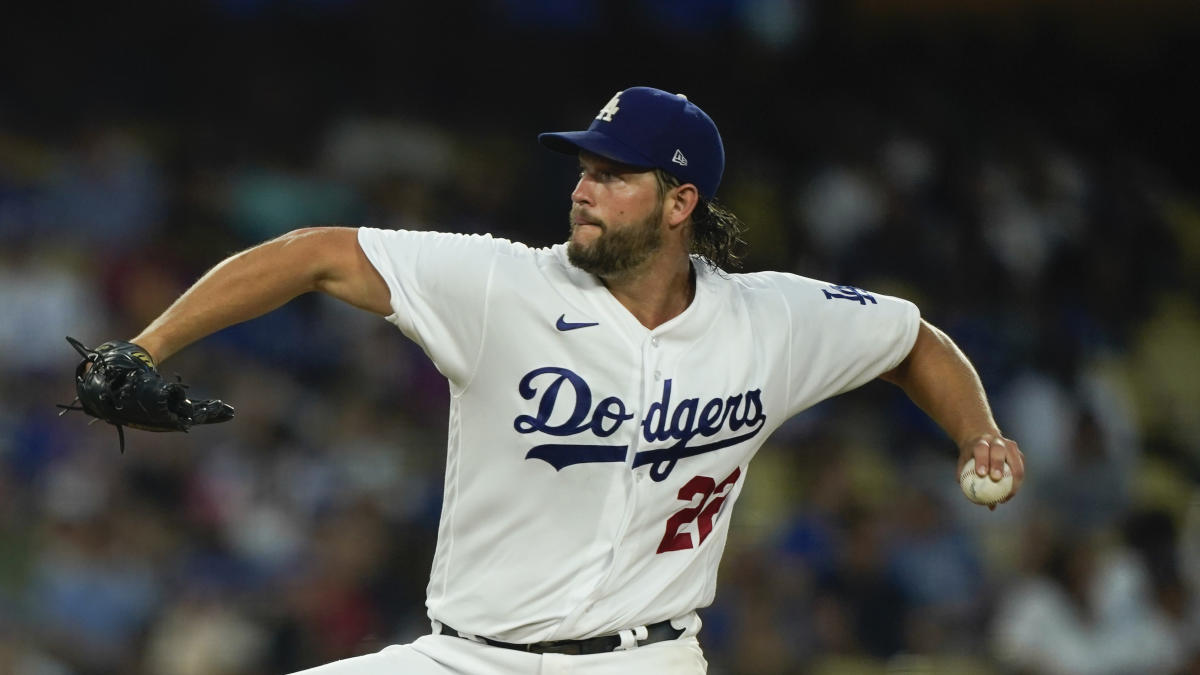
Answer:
x=610 y=108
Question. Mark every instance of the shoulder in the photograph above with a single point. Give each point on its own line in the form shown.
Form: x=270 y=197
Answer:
x=797 y=287
x=804 y=296
x=760 y=286
x=432 y=238
x=428 y=246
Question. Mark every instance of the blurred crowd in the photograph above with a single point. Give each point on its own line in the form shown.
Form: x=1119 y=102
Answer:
x=302 y=532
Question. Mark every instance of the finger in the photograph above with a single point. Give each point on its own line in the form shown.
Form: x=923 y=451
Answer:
x=982 y=450
x=996 y=459
x=211 y=412
x=1016 y=460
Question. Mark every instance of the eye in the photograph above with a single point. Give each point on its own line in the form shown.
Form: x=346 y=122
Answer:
x=598 y=175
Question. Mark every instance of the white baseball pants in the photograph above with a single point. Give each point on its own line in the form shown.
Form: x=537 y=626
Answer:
x=450 y=655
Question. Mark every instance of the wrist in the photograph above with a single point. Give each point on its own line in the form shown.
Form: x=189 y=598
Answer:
x=970 y=440
x=151 y=345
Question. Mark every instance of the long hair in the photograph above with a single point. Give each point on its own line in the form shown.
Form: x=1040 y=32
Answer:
x=716 y=231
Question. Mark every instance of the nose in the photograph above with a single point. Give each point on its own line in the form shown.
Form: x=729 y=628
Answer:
x=582 y=194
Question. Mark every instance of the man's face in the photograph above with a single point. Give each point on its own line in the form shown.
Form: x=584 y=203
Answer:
x=616 y=217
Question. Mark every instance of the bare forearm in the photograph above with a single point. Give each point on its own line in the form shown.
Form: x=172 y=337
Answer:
x=258 y=280
x=938 y=377
x=242 y=287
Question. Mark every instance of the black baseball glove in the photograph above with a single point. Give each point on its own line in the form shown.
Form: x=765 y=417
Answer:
x=118 y=383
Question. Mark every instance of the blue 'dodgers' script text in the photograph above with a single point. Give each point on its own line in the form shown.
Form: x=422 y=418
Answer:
x=682 y=422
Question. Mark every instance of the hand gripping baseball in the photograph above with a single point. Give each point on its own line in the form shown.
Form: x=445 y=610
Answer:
x=118 y=383
x=990 y=458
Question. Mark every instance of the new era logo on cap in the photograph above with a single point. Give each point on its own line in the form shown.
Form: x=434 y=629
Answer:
x=654 y=129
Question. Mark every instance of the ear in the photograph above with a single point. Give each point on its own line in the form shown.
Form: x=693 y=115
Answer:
x=680 y=202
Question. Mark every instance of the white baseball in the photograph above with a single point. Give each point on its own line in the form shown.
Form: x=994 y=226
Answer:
x=982 y=489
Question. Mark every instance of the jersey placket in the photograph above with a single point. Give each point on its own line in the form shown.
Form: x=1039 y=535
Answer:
x=651 y=378
x=653 y=370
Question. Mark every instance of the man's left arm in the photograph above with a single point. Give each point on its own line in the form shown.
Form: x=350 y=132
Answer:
x=937 y=376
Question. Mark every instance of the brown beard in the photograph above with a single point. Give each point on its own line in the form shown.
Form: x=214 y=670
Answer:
x=618 y=252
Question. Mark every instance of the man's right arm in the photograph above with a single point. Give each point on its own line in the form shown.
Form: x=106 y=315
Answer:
x=260 y=279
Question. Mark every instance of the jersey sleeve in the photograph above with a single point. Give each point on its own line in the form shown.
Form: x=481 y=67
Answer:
x=439 y=291
x=841 y=337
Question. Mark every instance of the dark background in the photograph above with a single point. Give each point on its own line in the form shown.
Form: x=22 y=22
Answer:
x=1022 y=170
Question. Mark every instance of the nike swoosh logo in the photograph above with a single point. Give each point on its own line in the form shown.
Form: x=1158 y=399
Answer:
x=563 y=324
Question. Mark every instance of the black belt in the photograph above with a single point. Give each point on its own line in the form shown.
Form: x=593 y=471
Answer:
x=657 y=632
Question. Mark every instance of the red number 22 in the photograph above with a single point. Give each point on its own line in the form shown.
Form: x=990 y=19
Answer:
x=708 y=497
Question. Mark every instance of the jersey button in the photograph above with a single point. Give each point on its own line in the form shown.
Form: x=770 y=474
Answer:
x=654 y=341
x=658 y=374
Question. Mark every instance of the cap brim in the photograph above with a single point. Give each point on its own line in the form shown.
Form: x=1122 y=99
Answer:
x=595 y=142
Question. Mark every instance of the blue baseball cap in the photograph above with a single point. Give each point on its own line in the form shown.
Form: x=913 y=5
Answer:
x=654 y=129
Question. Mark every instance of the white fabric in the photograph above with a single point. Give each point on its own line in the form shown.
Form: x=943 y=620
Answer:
x=446 y=655
x=535 y=544
x=631 y=636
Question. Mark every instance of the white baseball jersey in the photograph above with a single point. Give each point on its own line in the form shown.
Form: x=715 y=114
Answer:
x=592 y=463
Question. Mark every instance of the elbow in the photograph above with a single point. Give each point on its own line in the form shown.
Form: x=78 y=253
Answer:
x=898 y=375
x=303 y=235
x=312 y=252
x=928 y=341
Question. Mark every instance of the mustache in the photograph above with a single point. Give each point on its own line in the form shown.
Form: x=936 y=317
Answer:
x=581 y=215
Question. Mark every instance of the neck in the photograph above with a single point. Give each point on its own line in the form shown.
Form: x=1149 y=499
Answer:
x=656 y=292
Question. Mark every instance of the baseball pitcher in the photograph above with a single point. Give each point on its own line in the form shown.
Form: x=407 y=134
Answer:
x=607 y=394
